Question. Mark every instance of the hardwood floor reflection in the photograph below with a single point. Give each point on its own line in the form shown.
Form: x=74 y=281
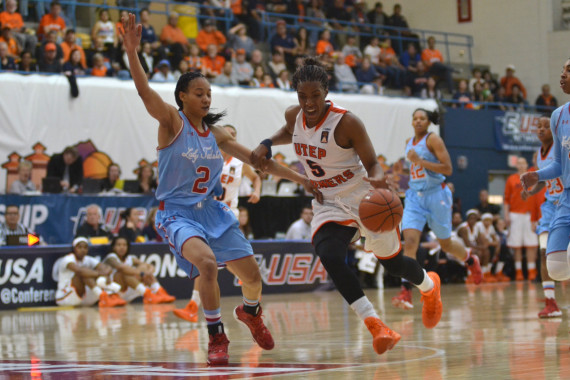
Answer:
x=490 y=331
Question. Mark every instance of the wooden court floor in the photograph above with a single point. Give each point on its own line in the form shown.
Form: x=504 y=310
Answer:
x=487 y=332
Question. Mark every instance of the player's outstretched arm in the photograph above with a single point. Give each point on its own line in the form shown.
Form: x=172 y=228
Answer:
x=156 y=107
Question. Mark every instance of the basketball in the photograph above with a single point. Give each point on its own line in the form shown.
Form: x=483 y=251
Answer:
x=380 y=210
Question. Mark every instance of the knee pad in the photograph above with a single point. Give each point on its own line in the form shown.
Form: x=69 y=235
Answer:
x=557 y=265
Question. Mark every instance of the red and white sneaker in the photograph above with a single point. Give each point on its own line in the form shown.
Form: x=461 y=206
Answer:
x=475 y=270
x=218 y=349
x=259 y=332
x=404 y=299
x=188 y=313
x=551 y=309
x=384 y=338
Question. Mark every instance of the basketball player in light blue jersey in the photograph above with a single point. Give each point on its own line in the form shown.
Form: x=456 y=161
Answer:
x=202 y=232
x=557 y=248
x=429 y=200
x=554 y=189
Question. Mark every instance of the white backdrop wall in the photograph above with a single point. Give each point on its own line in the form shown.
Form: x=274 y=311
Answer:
x=109 y=112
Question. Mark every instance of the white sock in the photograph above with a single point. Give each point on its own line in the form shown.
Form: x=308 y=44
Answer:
x=141 y=289
x=427 y=284
x=154 y=287
x=518 y=265
x=97 y=290
x=489 y=266
x=363 y=307
x=548 y=287
x=485 y=269
x=196 y=297
x=500 y=266
x=531 y=266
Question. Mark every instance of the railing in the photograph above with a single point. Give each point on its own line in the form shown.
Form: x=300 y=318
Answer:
x=226 y=19
x=464 y=41
x=497 y=105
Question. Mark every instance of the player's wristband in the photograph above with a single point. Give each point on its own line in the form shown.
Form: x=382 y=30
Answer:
x=267 y=143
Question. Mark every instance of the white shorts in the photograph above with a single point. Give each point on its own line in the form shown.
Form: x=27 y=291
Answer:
x=67 y=296
x=343 y=209
x=521 y=233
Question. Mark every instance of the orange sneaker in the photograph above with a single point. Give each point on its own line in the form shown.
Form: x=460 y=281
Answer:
x=383 y=338
x=489 y=278
x=475 y=270
x=151 y=298
x=433 y=308
x=404 y=299
x=218 y=349
x=501 y=277
x=188 y=313
x=519 y=276
x=166 y=298
x=532 y=273
x=112 y=300
x=550 y=310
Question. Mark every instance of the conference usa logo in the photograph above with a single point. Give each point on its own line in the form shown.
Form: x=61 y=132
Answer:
x=290 y=269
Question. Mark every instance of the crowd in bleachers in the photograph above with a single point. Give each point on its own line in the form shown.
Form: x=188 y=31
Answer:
x=358 y=59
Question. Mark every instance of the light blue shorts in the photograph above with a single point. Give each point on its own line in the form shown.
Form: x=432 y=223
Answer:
x=547 y=210
x=432 y=207
x=559 y=235
x=210 y=220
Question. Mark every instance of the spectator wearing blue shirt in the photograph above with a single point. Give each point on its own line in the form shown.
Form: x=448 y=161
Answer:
x=284 y=43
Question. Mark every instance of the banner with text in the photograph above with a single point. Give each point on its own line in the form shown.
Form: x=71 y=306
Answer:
x=516 y=131
x=26 y=278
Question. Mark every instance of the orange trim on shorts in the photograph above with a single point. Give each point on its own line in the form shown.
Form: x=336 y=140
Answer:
x=341 y=222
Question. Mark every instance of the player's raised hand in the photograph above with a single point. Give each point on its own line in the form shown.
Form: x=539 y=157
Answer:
x=529 y=180
x=132 y=33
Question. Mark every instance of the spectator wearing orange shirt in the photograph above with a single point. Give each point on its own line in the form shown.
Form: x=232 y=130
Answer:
x=13 y=48
x=174 y=39
x=13 y=20
x=99 y=68
x=393 y=65
x=52 y=21
x=210 y=35
x=509 y=80
x=194 y=60
x=521 y=217
x=70 y=44
x=433 y=60
x=324 y=45
x=6 y=62
x=212 y=63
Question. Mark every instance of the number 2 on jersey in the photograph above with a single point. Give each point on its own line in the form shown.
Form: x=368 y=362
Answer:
x=205 y=172
x=417 y=171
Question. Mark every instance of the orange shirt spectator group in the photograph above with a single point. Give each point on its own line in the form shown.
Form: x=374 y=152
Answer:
x=513 y=198
x=48 y=22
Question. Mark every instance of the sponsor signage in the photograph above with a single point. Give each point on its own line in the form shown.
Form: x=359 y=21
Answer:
x=26 y=278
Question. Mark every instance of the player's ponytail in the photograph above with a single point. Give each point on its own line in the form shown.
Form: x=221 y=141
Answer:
x=311 y=71
x=182 y=86
x=433 y=116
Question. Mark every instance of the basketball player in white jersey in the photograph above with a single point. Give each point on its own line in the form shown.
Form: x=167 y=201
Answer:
x=339 y=159
x=232 y=173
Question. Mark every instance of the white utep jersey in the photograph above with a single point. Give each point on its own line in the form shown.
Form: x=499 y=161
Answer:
x=65 y=275
x=128 y=260
x=472 y=234
x=231 y=180
x=331 y=168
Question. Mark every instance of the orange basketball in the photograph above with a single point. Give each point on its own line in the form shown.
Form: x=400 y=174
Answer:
x=380 y=210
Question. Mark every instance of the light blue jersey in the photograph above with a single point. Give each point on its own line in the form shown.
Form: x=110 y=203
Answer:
x=422 y=179
x=554 y=187
x=189 y=169
x=559 y=167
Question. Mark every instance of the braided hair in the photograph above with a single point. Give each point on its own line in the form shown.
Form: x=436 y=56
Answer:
x=182 y=86
x=432 y=116
x=310 y=71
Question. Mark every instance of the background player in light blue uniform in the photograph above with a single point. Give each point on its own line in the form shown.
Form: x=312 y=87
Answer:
x=557 y=249
x=202 y=232
x=429 y=200
x=545 y=156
